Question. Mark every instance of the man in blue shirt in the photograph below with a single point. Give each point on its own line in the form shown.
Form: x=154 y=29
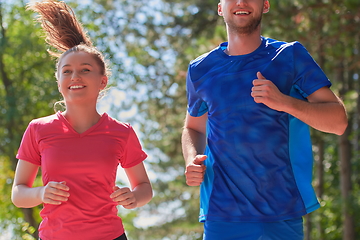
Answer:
x=246 y=138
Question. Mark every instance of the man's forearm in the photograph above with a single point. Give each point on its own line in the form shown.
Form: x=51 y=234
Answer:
x=193 y=143
x=324 y=116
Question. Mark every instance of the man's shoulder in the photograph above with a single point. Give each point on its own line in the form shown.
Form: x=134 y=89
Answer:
x=208 y=57
x=278 y=44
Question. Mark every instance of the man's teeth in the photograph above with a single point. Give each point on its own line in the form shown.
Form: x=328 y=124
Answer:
x=76 y=87
x=241 y=13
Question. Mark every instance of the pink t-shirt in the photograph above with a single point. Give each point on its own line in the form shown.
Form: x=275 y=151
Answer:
x=88 y=163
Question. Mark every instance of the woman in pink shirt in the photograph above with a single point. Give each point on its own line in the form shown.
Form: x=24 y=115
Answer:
x=78 y=150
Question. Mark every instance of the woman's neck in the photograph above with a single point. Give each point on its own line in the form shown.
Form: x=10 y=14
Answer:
x=81 y=119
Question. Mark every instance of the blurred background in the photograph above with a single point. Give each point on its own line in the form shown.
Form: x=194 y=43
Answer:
x=149 y=45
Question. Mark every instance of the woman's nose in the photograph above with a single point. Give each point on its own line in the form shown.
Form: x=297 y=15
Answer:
x=75 y=76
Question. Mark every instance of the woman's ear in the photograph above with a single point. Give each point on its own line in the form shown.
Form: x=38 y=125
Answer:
x=104 y=82
x=57 y=81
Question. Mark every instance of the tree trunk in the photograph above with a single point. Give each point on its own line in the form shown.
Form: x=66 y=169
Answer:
x=308 y=227
x=320 y=182
x=346 y=186
x=29 y=217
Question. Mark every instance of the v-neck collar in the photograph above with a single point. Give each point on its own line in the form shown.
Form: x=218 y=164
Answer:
x=66 y=122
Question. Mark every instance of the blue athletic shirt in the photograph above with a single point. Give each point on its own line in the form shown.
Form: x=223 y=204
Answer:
x=259 y=165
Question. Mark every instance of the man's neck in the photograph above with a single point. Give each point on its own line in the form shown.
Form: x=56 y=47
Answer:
x=243 y=44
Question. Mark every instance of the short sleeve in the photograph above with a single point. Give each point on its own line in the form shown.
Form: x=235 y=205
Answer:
x=29 y=147
x=133 y=153
x=196 y=106
x=309 y=77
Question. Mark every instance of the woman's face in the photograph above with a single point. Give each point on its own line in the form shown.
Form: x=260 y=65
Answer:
x=80 y=78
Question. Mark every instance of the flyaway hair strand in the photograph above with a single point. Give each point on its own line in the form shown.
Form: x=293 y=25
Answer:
x=63 y=30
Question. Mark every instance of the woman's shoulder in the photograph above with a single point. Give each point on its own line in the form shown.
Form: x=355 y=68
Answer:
x=115 y=122
x=45 y=120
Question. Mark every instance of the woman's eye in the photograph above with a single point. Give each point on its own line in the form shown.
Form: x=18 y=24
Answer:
x=86 y=70
x=66 y=71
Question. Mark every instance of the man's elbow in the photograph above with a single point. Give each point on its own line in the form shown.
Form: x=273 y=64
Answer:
x=341 y=127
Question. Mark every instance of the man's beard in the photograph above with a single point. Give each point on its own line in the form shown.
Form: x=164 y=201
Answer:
x=244 y=30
